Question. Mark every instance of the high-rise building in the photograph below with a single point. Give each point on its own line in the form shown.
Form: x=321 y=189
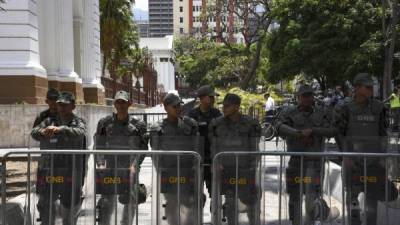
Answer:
x=207 y=18
x=143 y=28
x=161 y=17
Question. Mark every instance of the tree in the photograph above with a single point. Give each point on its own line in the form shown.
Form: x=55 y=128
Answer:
x=253 y=21
x=118 y=35
x=329 y=41
x=389 y=23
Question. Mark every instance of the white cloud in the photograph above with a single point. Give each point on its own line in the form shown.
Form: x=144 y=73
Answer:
x=142 y=4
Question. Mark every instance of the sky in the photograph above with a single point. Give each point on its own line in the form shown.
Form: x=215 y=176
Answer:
x=142 y=4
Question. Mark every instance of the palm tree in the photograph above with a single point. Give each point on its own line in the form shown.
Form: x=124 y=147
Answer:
x=118 y=35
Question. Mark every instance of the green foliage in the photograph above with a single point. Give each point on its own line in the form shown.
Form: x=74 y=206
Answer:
x=250 y=101
x=118 y=34
x=328 y=40
x=206 y=62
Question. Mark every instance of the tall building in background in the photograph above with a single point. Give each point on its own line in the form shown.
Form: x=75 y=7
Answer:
x=205 y=18
x=143 y=28
x=161 y=17
x=182 y=16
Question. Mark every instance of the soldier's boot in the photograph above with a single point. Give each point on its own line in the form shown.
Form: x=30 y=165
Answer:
x=128 y=213
x=106 y=207
x=46 y=217
x=70 y=216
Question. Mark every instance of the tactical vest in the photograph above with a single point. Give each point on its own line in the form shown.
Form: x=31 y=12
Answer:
x=362 y=134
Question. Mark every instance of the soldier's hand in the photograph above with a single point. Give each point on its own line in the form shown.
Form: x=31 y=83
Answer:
x=306 y=133
x=54 y=130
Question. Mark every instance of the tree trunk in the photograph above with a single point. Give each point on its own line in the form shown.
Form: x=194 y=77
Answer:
x=390 y=42
x=244 y=84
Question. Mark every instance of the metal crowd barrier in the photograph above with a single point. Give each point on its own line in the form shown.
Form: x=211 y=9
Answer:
x=58 y=181
x=271 y=205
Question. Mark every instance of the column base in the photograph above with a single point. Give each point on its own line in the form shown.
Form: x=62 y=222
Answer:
x=73 y=87
x=94 y=95
x=23 y=89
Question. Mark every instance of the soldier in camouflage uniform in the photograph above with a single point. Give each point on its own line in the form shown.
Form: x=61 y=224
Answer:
x=305 y=128
x=120 y=131
x=362 y=126
x=51 y=101
x=176 y=133
x=65 y=131
x=203 y=114
x=236 y=132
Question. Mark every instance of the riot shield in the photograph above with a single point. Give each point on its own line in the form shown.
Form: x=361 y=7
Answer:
x=55 y=183
x=178 y=180
x=236 y=180
x=117 y=187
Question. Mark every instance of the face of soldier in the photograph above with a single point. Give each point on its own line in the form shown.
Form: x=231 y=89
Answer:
x=306 y=100
x=65 y=110
x=364 y=92
x=230 y=110
x=173 y=111
x=121 y=106
x=52 y=103
x=207 y=101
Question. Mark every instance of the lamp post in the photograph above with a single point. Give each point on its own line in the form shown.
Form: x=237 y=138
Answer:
x=137 y=86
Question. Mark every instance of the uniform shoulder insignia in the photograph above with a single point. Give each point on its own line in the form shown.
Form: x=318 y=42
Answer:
x=377 y=106
x=218 y=120
x=106 y=120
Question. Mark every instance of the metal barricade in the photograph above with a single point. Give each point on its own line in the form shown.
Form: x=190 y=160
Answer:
x=305 y=188
x=96 y=182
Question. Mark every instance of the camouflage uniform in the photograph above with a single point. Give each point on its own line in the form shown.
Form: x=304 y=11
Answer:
x=289 y=125
x=243 y=135
x=203 y=119
x=363 y=129
x=180 y=136
x=72 y=136
x=129 y=134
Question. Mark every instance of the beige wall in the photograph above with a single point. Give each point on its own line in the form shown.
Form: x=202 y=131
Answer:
x=177 y=14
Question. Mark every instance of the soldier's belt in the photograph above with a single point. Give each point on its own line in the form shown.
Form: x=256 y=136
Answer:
x=113 y=181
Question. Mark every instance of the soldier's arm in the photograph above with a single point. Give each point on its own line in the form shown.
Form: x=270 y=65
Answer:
x=339 y=123
x=284 y=126
x=142 y=127
x=38 y=120
x=99 y=136
x=326 y=130
x=78 y=130
x=36 y=132
x=212 y=137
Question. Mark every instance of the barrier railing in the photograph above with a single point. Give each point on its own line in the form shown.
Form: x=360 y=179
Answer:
x=345 y=188
x=94 y=182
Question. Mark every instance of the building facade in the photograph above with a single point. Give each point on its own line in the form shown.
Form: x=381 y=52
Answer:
x=161 y=18
x=162 y=52
x=50 y=43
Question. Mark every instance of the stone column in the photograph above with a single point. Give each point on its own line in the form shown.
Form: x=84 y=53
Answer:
x=57 y=40
x=90 y=63
x=22 y=77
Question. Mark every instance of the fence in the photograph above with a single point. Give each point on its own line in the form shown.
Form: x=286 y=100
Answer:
x=113 y=182
x=329 y=193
